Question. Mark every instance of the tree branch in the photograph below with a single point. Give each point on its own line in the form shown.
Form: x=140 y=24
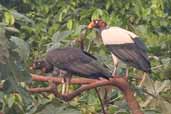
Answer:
x=87 y=84
x=101 y=101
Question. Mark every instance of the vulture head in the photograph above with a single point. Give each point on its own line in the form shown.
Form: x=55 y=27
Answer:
x=42 y=65
x=97 y=23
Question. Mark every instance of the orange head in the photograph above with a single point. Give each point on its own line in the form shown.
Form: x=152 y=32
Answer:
x=97 y=23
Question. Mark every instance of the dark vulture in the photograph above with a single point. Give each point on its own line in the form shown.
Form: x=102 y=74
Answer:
x=75 y=61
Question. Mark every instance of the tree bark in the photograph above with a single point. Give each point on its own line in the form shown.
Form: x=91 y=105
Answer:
x=87 y=84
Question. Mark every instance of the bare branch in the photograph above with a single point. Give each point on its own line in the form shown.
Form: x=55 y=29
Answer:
x=87 y=84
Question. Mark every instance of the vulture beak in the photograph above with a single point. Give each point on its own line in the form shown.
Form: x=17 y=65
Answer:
x=33 y=66
x=44 y=70
x=90 y=25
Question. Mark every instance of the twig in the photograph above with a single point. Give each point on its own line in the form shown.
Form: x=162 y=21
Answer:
x=101 y=102
x=150 y=94
x=40 y=89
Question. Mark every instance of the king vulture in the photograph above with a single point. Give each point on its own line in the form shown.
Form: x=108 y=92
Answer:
x=123 y=45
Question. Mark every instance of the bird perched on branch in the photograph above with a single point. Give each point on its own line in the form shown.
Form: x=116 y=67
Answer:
x=123 y=45
x=74 y=61
x=45 y=67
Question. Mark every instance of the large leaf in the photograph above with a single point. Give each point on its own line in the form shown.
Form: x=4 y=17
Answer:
x=22 y=48
x=21 y=17
x=12 y=69
x=57 y=38
x=4 y=53
x=55 y=107
x=9 y=18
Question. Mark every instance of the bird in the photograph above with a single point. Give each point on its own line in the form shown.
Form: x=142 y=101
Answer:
x=124 y=46
x=45 y=67
x=74 y=61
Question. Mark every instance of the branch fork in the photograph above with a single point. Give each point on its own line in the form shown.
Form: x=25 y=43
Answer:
x=118 y=81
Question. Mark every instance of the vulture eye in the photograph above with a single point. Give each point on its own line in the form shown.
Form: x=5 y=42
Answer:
x=96 y=22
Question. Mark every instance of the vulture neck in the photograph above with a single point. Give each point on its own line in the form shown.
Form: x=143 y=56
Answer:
x=103 y=28
x=100 y=30
x=48 y=66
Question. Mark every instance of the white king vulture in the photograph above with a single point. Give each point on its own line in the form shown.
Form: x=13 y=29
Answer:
x=74 y=61
x=124 y=45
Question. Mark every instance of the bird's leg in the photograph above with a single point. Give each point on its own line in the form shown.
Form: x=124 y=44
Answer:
x=142 y=80
x=115 y=63
x=127 y=72
x=63 y=86
x=115 y=70
x=67 y=79
x=61 y=74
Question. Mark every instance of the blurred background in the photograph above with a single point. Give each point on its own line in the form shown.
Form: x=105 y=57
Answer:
x=28 y=28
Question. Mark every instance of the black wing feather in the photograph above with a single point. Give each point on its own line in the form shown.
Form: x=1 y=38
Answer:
x=77 y=62
x=131 y=55
x=139 y=44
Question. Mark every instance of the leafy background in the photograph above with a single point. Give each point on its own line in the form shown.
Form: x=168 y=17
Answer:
x=28 y=28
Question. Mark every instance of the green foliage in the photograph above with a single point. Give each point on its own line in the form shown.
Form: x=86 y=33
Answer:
x=50 y=108
x=28 y=28
x=12 y=71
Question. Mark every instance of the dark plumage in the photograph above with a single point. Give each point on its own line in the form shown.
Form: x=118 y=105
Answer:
x=74 y=61
x=77 y=62
x=129 y=54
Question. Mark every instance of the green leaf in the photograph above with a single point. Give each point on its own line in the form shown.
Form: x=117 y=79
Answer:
x=151 y=112
x=22 y=48
x=12 y=68
x=4 y=53
x=113 y=109
x=9 y=18
x=97 y=14
x=21 y=17
x=11 y=101
x=69 y=24
x=12 y=29
x=55 y=107
x=27 y=99
x=57 y=38
x=122 y=112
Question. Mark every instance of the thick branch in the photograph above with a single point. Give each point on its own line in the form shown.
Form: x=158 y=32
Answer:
x=60 y=79
x=117 y=81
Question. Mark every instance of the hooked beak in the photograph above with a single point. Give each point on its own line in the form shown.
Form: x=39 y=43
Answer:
x=90 y=25
x=32 y=67
x=44 y=70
